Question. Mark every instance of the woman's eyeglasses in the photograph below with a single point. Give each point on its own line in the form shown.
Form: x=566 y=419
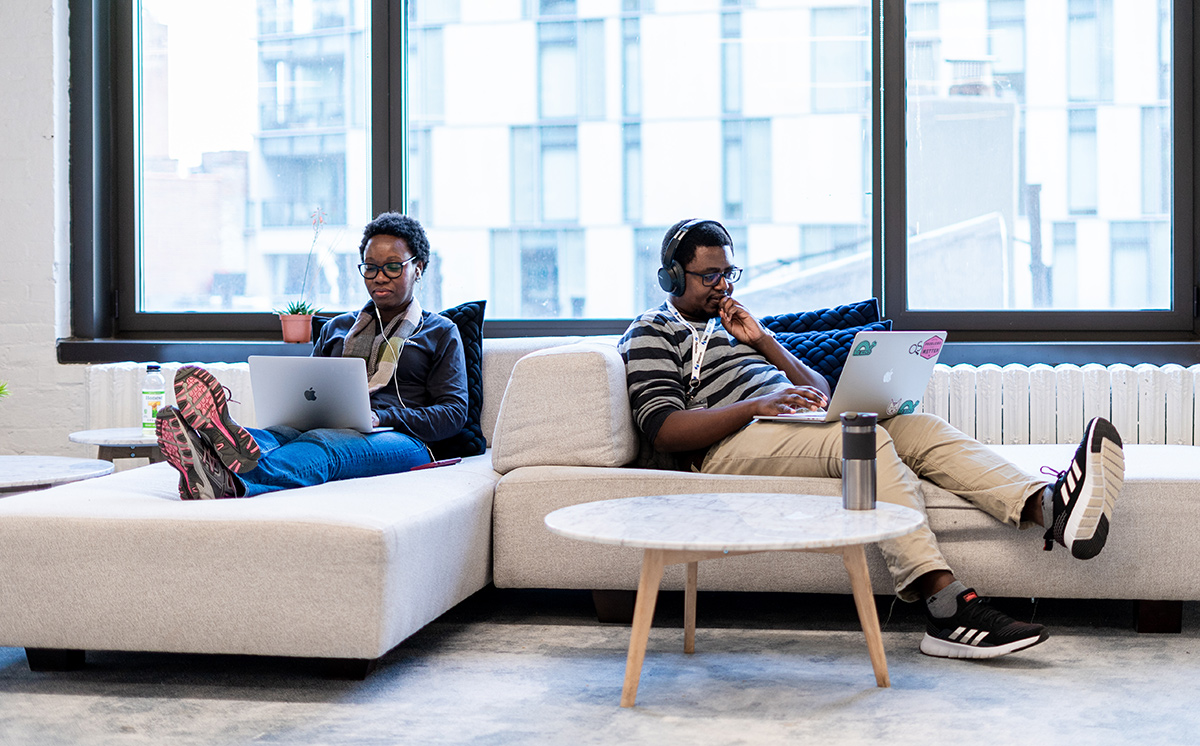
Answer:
x=391 y=269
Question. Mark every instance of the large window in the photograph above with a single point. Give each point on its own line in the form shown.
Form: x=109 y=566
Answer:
x=252 y=180
x=1039 y=162
x=982 y=165
x=607 y=128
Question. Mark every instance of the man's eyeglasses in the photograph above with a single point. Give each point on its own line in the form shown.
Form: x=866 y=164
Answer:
x=710 y=279
x=391 y=269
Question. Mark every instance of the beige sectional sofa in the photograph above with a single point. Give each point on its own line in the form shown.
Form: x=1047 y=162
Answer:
x=570 y=453
x=347 y=570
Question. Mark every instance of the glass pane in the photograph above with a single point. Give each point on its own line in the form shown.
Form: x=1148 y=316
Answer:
x=253 y=177
x=1064 y=202
x=570 y=136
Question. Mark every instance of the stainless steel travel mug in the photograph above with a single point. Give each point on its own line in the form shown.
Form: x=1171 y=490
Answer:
x=858 y=460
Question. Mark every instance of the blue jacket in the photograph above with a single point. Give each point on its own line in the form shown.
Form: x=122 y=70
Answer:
x=431 y=377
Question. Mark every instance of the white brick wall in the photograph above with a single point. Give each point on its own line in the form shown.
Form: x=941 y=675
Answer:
x=46 y=401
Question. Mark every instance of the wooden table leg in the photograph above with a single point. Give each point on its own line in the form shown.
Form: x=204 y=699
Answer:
x=689 y=610
x=643 y=616
x=864 y=600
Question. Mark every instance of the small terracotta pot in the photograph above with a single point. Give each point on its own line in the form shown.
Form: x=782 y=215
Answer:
x=296 y=327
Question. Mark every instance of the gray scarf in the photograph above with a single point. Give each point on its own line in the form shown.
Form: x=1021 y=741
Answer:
x=366 y=341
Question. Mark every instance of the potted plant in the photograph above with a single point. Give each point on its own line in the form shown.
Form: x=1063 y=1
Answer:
x=3 y=389
x=296 y=318
x=296 y=321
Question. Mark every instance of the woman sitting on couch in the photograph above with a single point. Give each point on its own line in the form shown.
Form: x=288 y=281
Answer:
x=421 y=394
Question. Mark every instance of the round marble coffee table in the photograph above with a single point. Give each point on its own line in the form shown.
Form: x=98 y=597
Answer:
x=121 y=442
x=28 y=473
x=675 y=529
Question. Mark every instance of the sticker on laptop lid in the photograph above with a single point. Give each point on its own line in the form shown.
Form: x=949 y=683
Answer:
x=927 y=349
x=908 y=406
x=863 y=348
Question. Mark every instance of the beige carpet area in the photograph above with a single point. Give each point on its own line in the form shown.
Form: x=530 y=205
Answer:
x=524 y=667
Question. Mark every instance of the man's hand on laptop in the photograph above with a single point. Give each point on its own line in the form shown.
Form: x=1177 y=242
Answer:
x=794 y=399
x=374 y=418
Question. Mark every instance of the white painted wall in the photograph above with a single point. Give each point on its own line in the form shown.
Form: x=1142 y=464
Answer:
x=46 y=401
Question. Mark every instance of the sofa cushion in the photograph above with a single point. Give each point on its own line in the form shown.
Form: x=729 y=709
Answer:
x=500 y=354
x=827 y=319
x=565 y=406
x=469 y=441
x=826 y=352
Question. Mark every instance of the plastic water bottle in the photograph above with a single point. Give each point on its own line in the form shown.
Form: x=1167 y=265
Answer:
x=154 y=389
x=858 y=460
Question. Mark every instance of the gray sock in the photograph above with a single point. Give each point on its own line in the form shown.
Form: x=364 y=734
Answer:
x=944 y=603
x=1048 y=506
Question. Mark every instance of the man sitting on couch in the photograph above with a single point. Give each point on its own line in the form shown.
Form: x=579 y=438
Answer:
x=700 y=367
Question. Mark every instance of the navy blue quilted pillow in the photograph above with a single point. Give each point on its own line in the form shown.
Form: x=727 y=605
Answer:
x=826 y=351
x=826 y=319
x=469 y=441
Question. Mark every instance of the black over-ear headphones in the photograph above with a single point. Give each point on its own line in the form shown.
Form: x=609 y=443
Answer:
x=671 y=276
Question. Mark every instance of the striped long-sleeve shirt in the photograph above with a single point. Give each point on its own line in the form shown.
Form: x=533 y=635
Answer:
x=657 y=350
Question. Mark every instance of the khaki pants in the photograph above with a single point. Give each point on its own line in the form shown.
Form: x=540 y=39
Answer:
x=907 y=447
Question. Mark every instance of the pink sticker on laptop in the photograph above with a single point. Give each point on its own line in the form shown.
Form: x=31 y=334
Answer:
x=931 y=347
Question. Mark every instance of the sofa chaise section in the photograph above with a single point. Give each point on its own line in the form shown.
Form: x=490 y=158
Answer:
x=344 y=570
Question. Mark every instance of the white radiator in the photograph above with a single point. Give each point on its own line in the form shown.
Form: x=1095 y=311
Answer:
x=997 y=405
x=1018 y=404
x=114 y=392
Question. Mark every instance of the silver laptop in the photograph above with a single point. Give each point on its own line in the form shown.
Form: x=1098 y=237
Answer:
x=311 y=392
x=885 y=373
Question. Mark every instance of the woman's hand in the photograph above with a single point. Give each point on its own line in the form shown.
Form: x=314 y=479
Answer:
x=794 y=399
x=374 y=418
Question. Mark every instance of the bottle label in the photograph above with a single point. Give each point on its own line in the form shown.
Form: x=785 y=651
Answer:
x=151 y=401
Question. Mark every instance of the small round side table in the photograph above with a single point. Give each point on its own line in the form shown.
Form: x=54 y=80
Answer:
x=121 y=442
x=29 y=473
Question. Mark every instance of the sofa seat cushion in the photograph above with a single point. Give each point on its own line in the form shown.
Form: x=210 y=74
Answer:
x=1151 y=552
x=340 y=570
x=527 y=555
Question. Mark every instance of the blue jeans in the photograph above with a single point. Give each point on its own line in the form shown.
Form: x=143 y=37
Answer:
x=291 y=458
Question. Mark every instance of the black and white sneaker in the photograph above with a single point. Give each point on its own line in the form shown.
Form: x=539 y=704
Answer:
x=977 y=631
x=1084 y=495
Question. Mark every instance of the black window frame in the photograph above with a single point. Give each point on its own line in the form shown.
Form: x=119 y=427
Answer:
x=105 y=324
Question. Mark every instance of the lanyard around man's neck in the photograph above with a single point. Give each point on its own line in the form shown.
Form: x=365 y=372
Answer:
x=699 y=347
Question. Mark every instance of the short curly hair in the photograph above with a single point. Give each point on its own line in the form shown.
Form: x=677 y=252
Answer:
x=707 y=233
x=399 y=226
